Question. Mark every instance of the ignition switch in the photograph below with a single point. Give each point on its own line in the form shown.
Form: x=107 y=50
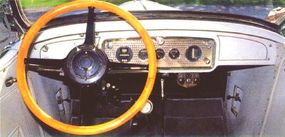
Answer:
x=188 y=80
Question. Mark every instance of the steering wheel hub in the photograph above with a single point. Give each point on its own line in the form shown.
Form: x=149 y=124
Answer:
x=86 y=66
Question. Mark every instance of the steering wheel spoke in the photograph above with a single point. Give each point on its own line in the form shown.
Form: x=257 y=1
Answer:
x=44 y=65
x=90 y=29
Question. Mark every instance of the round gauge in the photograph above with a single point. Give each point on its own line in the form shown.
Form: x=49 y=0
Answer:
x=160 y=53
x=143 y=54
x=124 y=54
x=174 y=53
x=193 y=53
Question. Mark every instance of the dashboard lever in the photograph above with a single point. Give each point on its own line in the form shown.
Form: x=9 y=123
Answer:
x=236 y=97
x=128 y=66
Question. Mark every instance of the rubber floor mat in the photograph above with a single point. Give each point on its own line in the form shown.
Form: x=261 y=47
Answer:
x=194 y=117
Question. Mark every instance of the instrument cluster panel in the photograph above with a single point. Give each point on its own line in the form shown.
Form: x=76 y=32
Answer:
x=171 y=52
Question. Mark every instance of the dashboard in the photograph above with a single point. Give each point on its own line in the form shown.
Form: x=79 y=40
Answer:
x=182 y=45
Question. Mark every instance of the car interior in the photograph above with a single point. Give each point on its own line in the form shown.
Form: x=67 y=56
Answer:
x=92 y=68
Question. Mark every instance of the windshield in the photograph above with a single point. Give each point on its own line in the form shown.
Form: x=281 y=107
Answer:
x=254 y=8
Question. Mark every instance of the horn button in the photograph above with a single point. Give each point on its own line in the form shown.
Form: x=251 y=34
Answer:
x=86 y=66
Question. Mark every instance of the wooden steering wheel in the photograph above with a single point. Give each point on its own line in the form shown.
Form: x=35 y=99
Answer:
x=94 y=129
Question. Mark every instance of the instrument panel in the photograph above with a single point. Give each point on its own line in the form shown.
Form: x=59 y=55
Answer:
x=172 y=52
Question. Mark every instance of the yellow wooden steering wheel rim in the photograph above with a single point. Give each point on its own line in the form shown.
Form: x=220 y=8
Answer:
x=84 y=130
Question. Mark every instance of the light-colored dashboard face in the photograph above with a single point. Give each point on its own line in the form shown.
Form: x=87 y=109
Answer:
x=187 y=46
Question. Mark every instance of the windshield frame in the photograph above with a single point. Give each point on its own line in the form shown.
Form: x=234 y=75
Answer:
x=24 y=23
x=172 y=15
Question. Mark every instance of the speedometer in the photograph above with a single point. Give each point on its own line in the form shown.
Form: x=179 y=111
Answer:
x=124 y=54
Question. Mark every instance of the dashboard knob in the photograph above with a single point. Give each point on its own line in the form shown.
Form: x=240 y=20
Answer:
x=193 y=53
x=143 y=54
x=148 y=107
x=160 y=53
x=174 y=53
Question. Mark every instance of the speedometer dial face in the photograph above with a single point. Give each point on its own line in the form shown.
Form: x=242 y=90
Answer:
x=124 y=54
